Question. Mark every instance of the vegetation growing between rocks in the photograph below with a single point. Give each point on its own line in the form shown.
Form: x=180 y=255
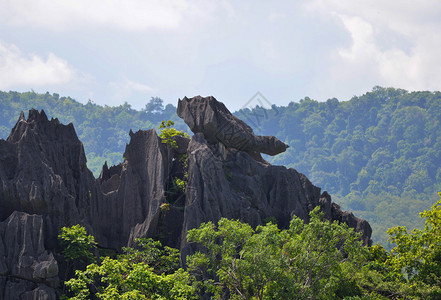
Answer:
x=78 y=246
x=315 y=260
x=168 y=133
x=148 y=271
x=178 y=183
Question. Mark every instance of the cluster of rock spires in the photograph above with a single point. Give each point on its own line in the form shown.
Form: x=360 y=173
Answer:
x=45 y=185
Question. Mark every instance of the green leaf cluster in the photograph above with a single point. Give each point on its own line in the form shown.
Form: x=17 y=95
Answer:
x=168 y=133
x=77 y=244
x=148 y=271
x=148 y=251
x=417 y=254
x=121 y=279
x=311 y=260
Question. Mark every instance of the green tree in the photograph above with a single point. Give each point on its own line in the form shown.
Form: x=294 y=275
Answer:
x=155 y=106
x=312 y=260
x=148 y=271
x=148 y=251
x=168 y=133
x=78 y=246
x=122 y=279
x=418 y=254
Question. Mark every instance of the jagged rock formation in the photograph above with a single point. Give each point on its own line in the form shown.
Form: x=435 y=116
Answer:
x=45 y=184
x=130 y=209
x=229 y=183
x=214 y=120
x=43 y=171
x=27 y=270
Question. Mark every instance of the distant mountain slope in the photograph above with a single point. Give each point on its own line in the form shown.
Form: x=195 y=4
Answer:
x=378 y=154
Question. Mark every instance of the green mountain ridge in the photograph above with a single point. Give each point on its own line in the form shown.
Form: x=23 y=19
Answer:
x=378 y=154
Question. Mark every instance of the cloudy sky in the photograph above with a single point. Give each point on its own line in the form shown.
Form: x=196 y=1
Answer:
x=111 y=51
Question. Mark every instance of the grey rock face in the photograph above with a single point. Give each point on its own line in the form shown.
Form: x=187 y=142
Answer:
x=214 y=120
x=44 y=185
x=43 y=171
x=130 y=209
x=27 y=269
x=229 y=183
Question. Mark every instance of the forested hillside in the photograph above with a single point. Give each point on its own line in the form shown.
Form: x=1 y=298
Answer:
x=379 y=154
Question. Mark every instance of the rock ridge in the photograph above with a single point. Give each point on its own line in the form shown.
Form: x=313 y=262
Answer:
x=214 y=120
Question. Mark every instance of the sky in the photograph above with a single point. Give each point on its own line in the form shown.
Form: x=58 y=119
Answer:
x=116 y=51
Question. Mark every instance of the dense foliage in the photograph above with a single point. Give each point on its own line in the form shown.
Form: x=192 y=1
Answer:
x=146 y=272
x=378 y=155
x=77 y=244
x=78 y=247
x=418 y=253
x=302 y=262
x=314 y=260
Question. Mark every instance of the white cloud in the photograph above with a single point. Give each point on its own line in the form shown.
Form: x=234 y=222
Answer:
x=363 y=46
x=17 y=69
x=131 y=15
x=416 y=69
x=126 y=89
x=392 y=43
x=136 y=86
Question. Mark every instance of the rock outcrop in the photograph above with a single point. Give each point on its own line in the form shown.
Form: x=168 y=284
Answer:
x=45 y=185
x=43 y=171
x=214 y=120
x=229 y=183
x=225 y=180
x=132 y=192
x=27 y=270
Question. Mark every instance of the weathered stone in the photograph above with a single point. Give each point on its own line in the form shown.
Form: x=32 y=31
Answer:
x=143 y=178
x=25 y=259
x=110 y=178
x=18 y=289
x=42 y=292
x=214 y=120
x=229 y=183
x=43 y=171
